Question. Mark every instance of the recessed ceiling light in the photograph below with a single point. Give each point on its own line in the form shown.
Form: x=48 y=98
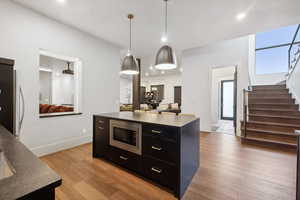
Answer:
x=162 y=72
x=241 y=16
x=164 y=39
x=146 y=74
x=61 y=1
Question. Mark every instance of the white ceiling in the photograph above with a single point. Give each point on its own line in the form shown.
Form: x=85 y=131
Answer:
x=192 y=23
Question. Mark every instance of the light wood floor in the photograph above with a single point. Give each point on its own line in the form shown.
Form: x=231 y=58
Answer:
x=229 y=171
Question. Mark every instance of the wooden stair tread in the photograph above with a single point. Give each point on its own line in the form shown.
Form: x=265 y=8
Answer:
x=275 y=116
x=268 y=98
x=268 y=85
x=272 y=104
x=273 y=109
x=275 y=124
x=269 y=141
x=270 y=132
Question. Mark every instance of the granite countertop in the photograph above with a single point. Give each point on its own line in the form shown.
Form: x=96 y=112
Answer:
x=30 y=175
x=144 y=117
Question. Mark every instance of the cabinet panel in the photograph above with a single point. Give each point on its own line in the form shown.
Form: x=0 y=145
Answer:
x=160 y=149
x=100 y=137
x=126 y=159
x=160 y=131
x=159 y=172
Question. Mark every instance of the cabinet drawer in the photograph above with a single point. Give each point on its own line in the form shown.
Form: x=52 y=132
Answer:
x=125 y=159
x=162 y=149
x=159 y=172
x=101 y=124
x=160 y=131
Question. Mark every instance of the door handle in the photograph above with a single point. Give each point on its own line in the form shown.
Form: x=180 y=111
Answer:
x=159 y=171
x=156 y=148
x=123 y=158
x=154 y=131
x=21 y=114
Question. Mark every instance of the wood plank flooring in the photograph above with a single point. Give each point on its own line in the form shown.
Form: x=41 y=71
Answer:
x=229 y=171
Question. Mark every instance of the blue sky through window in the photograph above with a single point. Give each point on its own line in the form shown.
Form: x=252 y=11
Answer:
x=274 y=60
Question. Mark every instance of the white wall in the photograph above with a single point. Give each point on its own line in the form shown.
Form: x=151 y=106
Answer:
x=293 y=83
x=218 y=74
x=23 y=33
x=125 y=90
x=169 y=82
x=196 y=77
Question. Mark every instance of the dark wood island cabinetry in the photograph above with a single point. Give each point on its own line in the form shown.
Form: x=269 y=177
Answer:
x=162 y=148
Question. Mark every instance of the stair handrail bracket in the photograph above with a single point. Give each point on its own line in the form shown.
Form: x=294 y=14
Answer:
x=292 y=63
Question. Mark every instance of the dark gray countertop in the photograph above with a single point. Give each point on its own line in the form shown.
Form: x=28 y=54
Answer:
x=31 y=174
x=144 y=117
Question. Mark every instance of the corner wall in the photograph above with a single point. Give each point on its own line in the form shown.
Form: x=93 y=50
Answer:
x=197 y=74
x=23 y=33
x=293 y=83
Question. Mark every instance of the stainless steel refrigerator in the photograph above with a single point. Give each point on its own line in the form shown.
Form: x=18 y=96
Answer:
x=8 y=93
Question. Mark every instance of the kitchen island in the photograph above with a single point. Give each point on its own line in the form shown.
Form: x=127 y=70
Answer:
x=22 y=175
x=161 y=148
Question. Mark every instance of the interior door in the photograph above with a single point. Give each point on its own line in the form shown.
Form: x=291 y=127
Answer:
x=235 y=101
x=177 y=95
x=227 y=100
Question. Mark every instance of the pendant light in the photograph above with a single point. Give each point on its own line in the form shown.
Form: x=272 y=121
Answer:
x=68 y=70
x=129 y=64
x=165 y=57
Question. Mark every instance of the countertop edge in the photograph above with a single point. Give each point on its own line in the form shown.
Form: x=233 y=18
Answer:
x=107 y=115
x=13 y=187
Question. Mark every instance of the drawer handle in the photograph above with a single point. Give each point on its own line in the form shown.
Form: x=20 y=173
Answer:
x=101 y=128
x=156 y=148
x=101 y=122
x=154 y=131
x=123 y=158
x=156 y=170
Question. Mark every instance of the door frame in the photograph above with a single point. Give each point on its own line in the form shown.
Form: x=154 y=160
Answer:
x=222 y=103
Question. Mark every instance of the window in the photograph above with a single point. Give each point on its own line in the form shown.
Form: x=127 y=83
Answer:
x=272 y=50
x=60 y=85
x=227 y=99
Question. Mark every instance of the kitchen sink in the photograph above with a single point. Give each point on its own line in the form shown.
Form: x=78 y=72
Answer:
x=6 y=169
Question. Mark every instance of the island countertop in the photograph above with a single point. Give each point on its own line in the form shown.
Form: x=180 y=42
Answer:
x=152 y=118
x=30 y=175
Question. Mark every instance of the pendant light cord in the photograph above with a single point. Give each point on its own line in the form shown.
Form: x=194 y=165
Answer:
x=130 y=17
x=166 y=18
x=130 y=35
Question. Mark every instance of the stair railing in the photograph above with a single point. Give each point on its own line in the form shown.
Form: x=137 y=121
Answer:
x=246 y=110
x=246 y=105
x=293 y=59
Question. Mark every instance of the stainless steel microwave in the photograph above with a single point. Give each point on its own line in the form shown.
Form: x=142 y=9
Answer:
x=126 y=135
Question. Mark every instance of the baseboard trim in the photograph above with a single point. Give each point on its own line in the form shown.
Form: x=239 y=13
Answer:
x=62 y=145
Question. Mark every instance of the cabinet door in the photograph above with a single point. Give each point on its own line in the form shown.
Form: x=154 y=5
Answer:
x=160 y=172
x=124 y=158
x=100 y=136
x=160 y=149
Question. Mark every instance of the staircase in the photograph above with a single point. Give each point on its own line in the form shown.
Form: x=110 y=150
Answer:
x=273 y=117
